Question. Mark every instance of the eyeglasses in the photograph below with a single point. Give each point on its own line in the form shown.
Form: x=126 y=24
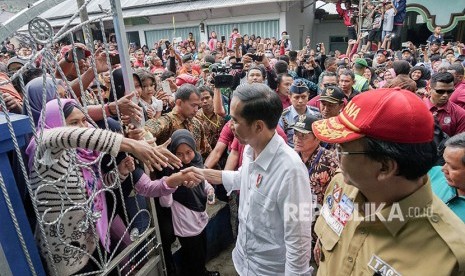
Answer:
x=442 y=91
x=340 y=152
x=303 y=136
x=329 y=84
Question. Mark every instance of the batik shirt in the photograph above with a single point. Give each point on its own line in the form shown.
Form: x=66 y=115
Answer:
x=212 y=126
x=321 y=166
x=163 y=127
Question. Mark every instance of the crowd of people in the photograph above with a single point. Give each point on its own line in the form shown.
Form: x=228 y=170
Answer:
x=263 y=126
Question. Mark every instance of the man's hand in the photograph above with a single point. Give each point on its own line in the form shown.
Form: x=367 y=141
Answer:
x=126 y=166
x=12 y=104
x=160 y=95
x=192 y=174
x=135 y=133
x=317 y=252
x=148 y=154
x=129 y=108
x=101 y=61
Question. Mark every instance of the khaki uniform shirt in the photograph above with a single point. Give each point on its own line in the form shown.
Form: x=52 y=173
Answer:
x=418 y=235
x=163 y=127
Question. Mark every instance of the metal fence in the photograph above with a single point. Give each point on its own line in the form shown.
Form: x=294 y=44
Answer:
x=18 y=249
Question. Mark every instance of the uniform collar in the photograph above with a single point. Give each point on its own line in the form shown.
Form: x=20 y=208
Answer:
x=294 y=113
x=418 y=200
x=264 y=158
x=432 y=107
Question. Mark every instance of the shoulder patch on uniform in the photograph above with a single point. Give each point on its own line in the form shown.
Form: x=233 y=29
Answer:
x=286 y=111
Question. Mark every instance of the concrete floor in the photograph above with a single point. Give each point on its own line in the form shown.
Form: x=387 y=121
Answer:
x=223 y=263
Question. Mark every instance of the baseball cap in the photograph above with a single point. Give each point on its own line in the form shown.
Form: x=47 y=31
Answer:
x=304 y=123
x=406 y=50
x=362 y=62
x=388 y=114
x=383 y=52
x=298 y=87
x=332 y=94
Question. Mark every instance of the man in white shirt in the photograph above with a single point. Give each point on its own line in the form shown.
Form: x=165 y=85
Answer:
x=275 y=210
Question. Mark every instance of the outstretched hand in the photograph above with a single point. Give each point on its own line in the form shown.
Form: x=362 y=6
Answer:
x=172 y=160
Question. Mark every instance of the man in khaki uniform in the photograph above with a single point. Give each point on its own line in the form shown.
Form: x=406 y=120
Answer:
x=379 y=215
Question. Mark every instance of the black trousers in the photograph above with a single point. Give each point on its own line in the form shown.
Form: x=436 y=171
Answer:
x=193 y=253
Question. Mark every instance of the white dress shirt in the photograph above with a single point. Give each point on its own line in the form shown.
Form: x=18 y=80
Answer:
x=274 y=238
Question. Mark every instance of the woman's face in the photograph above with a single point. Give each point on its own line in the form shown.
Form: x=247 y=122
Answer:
x=416 y=75
x=185 y=153
x=76 y=119
x=213 y=35
x=387 y=75
x=367 y=74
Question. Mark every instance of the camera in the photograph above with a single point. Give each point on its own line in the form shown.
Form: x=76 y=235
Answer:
x=256 y=57
x=167 y=44
x=220 y=73
x=423 y=47
x=237 y=66
x=318 y=47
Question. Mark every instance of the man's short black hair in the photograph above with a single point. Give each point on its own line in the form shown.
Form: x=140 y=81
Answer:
x=259 y=68
x=347 y=72
x=457 y=67
x=166 y=75
x=280 y=67
x=413 y=160
x=281 y=76
x=444 y=77
x=401 y=67
x=329 y=61
x=185 y=91
x=204 y=88
x=284 y=58
x=259 y=103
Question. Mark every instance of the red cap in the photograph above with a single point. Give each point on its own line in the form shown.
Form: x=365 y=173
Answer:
x=388 y=114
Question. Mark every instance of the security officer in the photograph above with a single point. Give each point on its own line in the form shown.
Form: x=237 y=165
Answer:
x=298 y=94
x=379 y=215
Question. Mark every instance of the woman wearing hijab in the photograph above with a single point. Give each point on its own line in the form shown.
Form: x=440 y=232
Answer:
x=389 y=74
x=35 y=92
x=188 y=208
x=71 y=199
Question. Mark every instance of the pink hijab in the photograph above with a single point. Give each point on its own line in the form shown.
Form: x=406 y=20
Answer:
x=54 y=119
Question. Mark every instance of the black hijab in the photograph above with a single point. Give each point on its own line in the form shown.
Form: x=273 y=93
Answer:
x=194 y=199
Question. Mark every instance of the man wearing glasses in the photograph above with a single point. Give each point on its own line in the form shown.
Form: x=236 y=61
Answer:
x=379 y=215
x=449 y=115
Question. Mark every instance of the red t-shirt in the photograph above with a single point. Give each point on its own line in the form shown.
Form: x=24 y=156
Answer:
x=450 y=116
x=226 y=135
x=240 y=147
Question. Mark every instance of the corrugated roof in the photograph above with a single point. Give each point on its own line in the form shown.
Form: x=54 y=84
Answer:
x=58 y=15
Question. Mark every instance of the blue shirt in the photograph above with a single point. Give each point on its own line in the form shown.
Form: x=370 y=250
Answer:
x=446 y=193
x=290 y=117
